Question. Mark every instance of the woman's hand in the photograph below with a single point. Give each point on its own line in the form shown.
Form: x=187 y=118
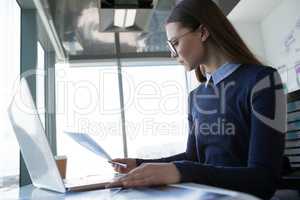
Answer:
x=131 y=164
x=149 y=174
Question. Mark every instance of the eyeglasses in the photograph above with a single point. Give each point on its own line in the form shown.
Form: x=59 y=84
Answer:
x=171 y=44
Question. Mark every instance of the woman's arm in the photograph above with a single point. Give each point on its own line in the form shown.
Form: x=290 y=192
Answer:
x=265 y=150
x=181 y=156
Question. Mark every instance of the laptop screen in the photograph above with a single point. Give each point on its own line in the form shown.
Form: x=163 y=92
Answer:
x=32 y=140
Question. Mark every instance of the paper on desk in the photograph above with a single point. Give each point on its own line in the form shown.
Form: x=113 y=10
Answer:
x=86 y=141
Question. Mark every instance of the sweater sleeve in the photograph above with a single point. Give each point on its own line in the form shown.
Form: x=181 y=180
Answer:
x=190 y=153
x=268 y=122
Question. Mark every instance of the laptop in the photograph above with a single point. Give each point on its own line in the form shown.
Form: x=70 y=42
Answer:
x=36 y=151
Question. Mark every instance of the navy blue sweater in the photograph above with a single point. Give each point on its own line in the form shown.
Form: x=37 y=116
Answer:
x=233 y=141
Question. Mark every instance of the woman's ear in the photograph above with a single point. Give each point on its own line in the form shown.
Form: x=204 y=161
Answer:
x=203 y=32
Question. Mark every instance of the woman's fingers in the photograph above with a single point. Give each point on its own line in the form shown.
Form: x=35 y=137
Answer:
x=145 y=175
x=126 y=164
x=122 y=170
x=118 y=168
x=150 y=174
x=139 y=173
x=121 y=160
x=138 y=182
x=130 y=177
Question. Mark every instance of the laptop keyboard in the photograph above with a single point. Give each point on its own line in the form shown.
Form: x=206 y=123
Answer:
x=91 y=179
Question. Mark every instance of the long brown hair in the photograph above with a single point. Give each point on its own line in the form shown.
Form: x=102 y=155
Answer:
x=192 y=13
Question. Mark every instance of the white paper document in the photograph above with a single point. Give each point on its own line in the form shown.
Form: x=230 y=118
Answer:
x=87 y=141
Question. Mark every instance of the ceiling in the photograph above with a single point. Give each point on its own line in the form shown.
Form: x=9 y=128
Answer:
x=78 y=24
x=79 y=33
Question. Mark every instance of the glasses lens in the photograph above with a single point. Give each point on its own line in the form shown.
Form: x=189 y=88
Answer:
x=171 y=48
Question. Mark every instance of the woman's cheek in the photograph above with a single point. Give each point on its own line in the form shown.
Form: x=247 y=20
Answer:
x=183 y=52
x=180 y=51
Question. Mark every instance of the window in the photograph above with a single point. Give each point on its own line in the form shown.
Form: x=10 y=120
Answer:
x=192 y=80
x=88 y=101
x=40 y=83
x=155 y=99
x=9 y=75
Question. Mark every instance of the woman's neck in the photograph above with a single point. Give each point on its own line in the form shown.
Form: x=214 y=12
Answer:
x=215 y=59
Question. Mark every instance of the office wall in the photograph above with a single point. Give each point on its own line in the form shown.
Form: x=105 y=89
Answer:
x=281 y=36
x=273 y=34
x=252 y=36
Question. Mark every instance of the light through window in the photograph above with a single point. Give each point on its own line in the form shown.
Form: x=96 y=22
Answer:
x=88 y=102
x=9 y=75
x=155 y=107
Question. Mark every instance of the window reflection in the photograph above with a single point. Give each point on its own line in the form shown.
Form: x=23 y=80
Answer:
x=77 y=23
x=82 y=27
x=152 y=41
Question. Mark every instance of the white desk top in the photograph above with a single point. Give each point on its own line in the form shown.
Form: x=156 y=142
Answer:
x=178 y=191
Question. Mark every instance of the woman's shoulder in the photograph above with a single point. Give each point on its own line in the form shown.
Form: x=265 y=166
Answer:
x=257 y=68
x=256 y=71
x=247 y=74
x=258 y=75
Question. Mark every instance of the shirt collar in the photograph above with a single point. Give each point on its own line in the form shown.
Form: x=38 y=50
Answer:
x=222 y=72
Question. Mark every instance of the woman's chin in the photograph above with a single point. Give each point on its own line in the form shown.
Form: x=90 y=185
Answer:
x=188 y=68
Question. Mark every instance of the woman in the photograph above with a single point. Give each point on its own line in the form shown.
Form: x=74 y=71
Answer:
x=236 y=137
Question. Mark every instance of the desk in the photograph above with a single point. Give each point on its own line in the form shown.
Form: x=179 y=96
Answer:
x=186 y=191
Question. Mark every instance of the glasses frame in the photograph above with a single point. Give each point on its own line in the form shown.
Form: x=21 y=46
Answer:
x=171 y=46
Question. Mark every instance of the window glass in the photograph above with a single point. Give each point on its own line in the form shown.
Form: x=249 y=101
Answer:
x=192 y=80
x=155 y=99
x=9 y=76
x=40 y=83
x=87 y=101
